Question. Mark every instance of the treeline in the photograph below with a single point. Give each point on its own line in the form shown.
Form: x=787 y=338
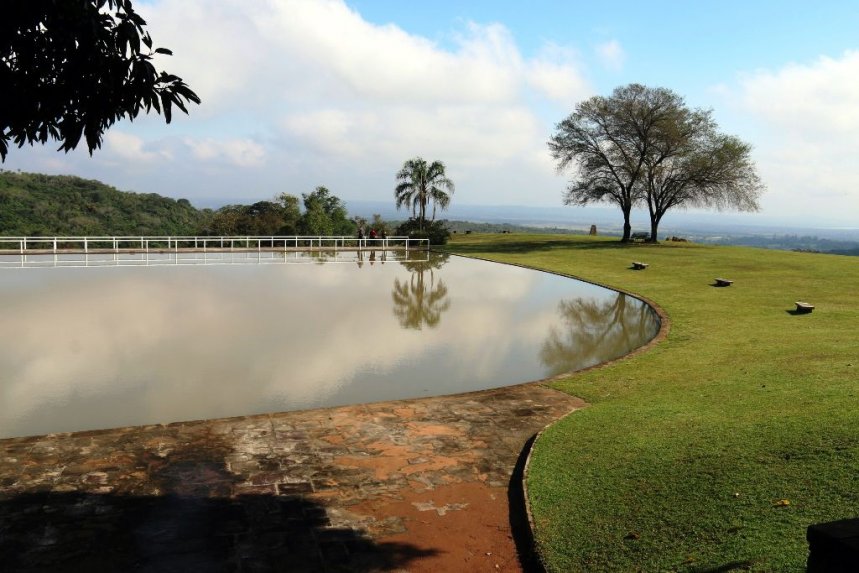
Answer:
x=323 y=214
x=33 y=204
x=807 y=243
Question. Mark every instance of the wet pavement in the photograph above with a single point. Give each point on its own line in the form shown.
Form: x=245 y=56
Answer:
x=413 y=485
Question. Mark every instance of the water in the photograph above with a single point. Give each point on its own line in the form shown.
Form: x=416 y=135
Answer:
x=112 y=345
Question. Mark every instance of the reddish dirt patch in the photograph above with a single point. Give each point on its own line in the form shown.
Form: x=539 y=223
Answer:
x=464 y=527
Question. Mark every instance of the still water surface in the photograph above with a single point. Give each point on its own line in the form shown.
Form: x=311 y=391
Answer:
x=100 y=347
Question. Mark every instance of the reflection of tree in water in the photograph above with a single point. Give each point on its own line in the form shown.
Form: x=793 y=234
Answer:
x=595 y=331
x=423 y=298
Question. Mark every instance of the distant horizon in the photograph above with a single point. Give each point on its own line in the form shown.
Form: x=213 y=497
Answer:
x=593 y=214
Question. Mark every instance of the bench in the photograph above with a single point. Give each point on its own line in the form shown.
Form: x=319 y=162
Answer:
x=723 y=282
x=639 y=266
x=639 y=236
x=803 y=307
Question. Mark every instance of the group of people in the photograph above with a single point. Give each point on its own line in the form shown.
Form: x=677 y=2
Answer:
x=373 y=236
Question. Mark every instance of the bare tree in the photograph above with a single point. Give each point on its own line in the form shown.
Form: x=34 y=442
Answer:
x=643 y=145
x=711 y=170
x=607 y=140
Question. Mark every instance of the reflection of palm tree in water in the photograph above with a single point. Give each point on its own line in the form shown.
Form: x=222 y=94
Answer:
x=596 y=332
x=423 y=298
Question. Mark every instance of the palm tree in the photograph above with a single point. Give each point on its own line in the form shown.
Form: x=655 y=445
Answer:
x=419 y=184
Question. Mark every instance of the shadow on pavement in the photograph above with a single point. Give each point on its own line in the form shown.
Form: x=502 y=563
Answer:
x=92 y=532
x=196 y=524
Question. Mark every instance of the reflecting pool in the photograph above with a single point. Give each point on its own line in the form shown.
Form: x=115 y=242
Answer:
x=99 y=346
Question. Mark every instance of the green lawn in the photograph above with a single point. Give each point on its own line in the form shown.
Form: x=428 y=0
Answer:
x=683 y=458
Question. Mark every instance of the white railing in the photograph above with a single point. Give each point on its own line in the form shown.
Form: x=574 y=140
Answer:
x=34 y=259
x=144 y=244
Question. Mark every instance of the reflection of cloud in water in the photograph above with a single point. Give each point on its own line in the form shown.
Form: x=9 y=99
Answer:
x=110 y=347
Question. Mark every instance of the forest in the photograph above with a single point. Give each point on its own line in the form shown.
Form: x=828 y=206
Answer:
x=33 y=204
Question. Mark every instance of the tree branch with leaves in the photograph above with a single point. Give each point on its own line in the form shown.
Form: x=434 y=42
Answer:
x=71 y=69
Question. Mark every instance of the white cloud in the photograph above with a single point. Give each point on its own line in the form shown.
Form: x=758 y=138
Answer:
x=307 y=92
x=470 y=134
x=817 y=98
x=309 y=85
x=806 y=120
x=556 y=74
x=128 y=147
x=238 y=152
x=297 y=50
x=611 y=55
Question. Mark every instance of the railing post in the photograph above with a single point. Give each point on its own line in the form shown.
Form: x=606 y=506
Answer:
x=55 y=245
x=86 y=246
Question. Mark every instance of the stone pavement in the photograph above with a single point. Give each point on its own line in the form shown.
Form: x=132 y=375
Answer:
x=414 y=485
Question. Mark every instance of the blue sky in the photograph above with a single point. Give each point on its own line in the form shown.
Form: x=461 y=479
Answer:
x=300 y=93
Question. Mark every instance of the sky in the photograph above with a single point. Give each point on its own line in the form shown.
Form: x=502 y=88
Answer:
x=302 y=93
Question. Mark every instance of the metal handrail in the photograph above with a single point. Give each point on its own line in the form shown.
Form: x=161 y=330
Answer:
x=205 y=243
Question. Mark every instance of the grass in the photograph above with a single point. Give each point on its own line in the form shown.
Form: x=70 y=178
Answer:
x=685 y=456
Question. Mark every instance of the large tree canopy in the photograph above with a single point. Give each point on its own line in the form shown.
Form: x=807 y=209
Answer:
x=72 y=68
x=324 y=214
x=645 y=146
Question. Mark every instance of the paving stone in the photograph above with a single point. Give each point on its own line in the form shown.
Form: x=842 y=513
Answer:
x=310 y=489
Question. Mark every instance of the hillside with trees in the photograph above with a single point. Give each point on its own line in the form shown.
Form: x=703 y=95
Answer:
x=33 y=204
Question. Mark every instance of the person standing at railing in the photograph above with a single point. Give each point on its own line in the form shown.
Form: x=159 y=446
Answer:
x=360 y=236
x=384 y=239
x=373 y=235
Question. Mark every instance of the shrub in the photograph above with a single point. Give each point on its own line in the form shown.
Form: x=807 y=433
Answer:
x=436 y=231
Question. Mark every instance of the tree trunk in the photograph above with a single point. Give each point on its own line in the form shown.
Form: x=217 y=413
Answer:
x=654 y=227
x=654 y=230
x=627 y=227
